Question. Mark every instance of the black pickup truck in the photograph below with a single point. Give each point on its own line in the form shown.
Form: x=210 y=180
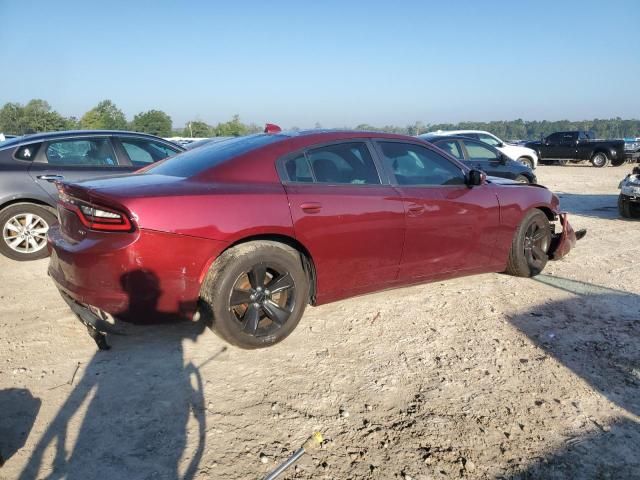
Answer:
x=564 y=147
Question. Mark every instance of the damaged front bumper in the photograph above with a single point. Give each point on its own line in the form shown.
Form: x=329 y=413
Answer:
x=563 y=242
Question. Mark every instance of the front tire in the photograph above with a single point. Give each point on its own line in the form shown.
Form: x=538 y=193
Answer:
x=255 y=294
x=599 y=160
x=24 y=231
x=527 y=162
x=531 y=242
x=522 y=179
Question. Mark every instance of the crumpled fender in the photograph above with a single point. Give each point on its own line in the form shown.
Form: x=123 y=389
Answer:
x=562 y=243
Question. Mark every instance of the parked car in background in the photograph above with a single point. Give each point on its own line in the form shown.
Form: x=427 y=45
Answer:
x=632 y=149
x=576 y=146
x=520 y=153
x=481 y=156
x=205 y=141
x=629 y=198
x=5 y=137
x=30 y=165
x=253 y=229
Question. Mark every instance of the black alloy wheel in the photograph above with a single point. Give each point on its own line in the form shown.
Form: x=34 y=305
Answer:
x=262 y=299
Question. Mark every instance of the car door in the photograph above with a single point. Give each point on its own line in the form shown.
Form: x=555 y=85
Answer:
x=75 y=159
x=450 y=227
x=142 y=152
x=552 y=146
x=349 y=218
x=568 y=145
x=488 y=159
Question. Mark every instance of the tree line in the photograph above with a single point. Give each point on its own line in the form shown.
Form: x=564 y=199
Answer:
x=38 y=116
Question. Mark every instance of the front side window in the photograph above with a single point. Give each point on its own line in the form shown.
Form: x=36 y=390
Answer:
x=144 y=152
x=451 y=147
x=96 y=152
x=489 y=139
x=415 y=165
x=343 y=163
x=554 y=138
x=477 y=151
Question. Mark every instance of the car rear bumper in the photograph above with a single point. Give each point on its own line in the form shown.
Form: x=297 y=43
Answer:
x=563 y=242
x=144 y=277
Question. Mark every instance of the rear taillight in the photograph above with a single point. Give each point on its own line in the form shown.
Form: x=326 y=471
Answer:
x=95 y=216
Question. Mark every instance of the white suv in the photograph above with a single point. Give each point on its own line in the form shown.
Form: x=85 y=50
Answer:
x=524 y=155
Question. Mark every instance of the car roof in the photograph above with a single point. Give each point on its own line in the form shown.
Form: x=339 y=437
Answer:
x=44 y=136
x=457 y=132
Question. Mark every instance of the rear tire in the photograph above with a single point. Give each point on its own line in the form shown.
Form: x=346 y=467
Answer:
x=24 y=228
x=531 y=242
x=599 y=160
x=522 y=179
x=255 y=294
x=563 y=162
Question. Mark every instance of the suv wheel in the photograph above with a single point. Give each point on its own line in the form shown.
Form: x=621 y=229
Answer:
x=24 y=231
x=526 y=161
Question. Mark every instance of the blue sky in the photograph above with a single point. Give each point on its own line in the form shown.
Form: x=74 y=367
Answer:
x=335 y=62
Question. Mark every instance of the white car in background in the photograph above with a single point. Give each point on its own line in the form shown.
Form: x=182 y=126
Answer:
x=524 y=155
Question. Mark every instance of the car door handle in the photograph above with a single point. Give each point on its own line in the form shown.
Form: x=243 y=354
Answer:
x=311 y=207
x=415 y=209
x=50 y=178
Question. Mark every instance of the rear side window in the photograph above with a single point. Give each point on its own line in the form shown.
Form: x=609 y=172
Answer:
x=451 y=147
x=298 y=169
x=193 y=162
x=145 y=152
x=96 y=152
x=27 y=152
x=343 y=163
x=416 y=165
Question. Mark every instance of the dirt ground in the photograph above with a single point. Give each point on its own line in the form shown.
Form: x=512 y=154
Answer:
x=480 y=377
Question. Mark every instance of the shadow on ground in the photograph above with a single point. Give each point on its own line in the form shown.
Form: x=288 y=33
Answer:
x=591 y=205
x=18 y=412
x=133 y=405
x=594 y=334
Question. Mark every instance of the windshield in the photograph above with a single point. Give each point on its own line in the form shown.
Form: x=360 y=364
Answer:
x=193 y=162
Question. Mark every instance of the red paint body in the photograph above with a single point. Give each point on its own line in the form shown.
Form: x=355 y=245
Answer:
x=359 y=238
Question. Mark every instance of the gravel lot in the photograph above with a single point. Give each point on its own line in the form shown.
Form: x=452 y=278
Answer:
x=480 y=377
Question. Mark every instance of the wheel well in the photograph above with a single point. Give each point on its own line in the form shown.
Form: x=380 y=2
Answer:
x=28 y=200
x=548 y=212
x=305 y=256
x=600 y=150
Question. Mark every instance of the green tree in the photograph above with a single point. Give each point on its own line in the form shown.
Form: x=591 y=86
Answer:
x=35 y=116
x=232 y=128
x=154 y=122
x=197 y=129
x=104 y=116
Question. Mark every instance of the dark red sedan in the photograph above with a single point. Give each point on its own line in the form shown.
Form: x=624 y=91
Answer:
x=251 y=230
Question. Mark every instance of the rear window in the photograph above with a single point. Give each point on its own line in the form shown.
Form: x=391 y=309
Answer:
x=193 y=162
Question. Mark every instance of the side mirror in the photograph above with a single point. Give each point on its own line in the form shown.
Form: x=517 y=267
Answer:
x=475 y=178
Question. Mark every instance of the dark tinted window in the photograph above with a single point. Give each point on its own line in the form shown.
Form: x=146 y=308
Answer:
x=343 y=163
x=555 y=138
x=477 y=151
x=86 y=152
x=415 y=165
x=28 y=152
x=298 y=169
x=451 y=147
x=143 y=152
x=196 y=161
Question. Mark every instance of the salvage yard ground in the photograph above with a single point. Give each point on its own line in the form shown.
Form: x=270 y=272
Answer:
x=481 y=377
